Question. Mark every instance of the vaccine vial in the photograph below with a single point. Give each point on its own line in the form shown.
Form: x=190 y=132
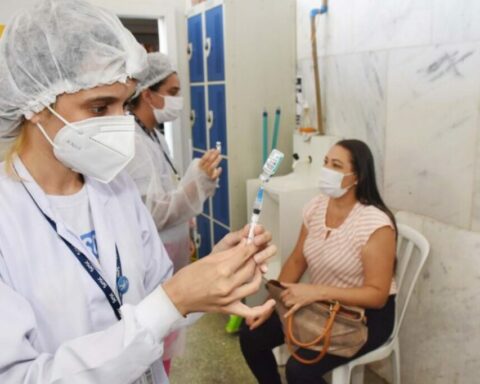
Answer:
x=271 y=165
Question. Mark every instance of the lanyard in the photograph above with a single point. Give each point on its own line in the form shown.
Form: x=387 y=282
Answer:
x=122 y=281
x=154 y=137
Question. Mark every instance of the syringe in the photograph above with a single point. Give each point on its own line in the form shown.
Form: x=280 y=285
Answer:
x=257 y=208
x=269 y=169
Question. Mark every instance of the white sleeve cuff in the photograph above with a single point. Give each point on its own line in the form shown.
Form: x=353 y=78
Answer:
x=157 y=313
x=188 y=320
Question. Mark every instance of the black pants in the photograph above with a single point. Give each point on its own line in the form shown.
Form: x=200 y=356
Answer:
x=257 y=348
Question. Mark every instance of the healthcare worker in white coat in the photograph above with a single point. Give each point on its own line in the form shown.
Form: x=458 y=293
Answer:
x=173 y=202
x=86 y=293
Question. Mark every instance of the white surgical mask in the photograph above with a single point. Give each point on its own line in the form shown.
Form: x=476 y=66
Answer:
x=330 y=182
x=99 y=147
x=171 y=110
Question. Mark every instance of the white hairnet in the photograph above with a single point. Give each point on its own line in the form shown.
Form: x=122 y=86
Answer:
x=61 y=46
x=159 y=68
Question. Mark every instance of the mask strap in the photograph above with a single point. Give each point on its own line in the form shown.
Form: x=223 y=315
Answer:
x=354 y=183
x=61 y=118
x=152 y=106
x=45 y=135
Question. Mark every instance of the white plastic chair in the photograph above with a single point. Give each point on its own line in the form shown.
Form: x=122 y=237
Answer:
x=412 y=252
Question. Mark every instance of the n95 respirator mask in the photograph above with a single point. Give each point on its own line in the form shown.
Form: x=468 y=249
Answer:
x=99 y=147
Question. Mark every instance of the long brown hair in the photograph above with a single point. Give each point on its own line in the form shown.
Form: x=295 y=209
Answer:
x=362 y=162
x=14 y=149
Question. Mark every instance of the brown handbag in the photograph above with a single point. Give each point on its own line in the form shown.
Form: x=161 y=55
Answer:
x=321 y=326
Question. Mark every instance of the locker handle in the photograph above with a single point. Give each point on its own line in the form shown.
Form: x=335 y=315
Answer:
x=208 y=46
x=190 y=51
x=192 y=117
x=197 y=239
x=210 y=120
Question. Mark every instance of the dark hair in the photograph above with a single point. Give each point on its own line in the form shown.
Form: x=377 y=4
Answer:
x=132 y=104
x=363 y=166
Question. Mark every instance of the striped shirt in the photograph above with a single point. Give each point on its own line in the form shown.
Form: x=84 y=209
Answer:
x=335 y=260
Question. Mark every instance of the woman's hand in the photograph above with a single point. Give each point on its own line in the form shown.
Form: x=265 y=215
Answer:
x=298 y=295
x=218 y=282
x=255 y=322
x=209 y=164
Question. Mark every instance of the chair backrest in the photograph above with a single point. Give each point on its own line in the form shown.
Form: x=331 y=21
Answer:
x=412 y=252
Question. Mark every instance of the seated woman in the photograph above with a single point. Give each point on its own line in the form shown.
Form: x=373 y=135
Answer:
x=347 y=245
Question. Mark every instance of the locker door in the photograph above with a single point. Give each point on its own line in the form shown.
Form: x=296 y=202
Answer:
x=214 y=45
x=219 y=232
x=195 y=48
x=206 y=205
x=203 y=227
x=197 y=117
x=220 y=201
x=217 y=117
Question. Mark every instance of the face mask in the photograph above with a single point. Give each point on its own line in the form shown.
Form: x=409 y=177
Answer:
x=99 y=147
x=330 y=182
x=171 y=110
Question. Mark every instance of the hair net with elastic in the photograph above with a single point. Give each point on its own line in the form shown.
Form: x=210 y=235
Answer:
x=61 y=46
x=159 y=68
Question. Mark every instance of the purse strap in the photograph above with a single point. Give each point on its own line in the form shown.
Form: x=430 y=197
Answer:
x=292 y=342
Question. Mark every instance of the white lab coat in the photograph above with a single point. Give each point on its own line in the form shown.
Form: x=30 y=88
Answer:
x=56 y=325
x=171 y=203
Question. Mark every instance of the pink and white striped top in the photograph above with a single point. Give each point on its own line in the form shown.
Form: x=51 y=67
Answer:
x=336 y=260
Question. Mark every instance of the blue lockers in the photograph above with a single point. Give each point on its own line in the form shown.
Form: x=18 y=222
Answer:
x=214 y=32
x=220 y=201
x=195 y=42
x=208 y=100
x=219 y=232
x=199 y=128
x=217 y=104
x=203 y=228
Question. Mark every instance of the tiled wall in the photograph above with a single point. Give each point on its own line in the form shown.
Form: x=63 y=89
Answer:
x=404 y=75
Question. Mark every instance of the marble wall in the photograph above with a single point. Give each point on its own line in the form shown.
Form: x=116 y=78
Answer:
x=405 y=77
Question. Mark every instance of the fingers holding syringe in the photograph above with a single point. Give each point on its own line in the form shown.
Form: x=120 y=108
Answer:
x=215 y=173
x=262 y=257
x=261 y=237
x=232 y=239
x=250 y=267
x=211 y=158
x=209 y=163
